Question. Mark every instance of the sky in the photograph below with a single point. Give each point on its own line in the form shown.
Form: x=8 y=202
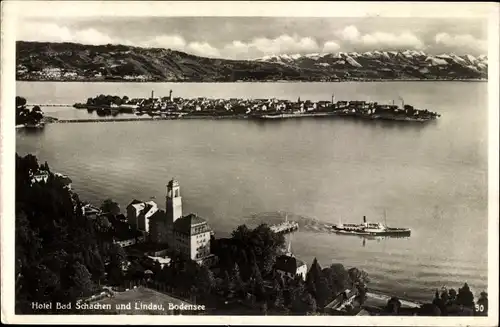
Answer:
x=255 y=37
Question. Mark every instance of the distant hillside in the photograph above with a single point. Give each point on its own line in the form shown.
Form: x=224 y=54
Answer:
x=72 y=61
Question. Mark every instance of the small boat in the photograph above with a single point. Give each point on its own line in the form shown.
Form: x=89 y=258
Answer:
x=370 y=229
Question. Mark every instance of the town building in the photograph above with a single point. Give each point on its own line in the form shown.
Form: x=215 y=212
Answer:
x=39 y=177
x=189 y=235
x=138 y=214
x=192 y=237
x=287 y=265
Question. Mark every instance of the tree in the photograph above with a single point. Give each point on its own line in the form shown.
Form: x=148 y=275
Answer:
x=452 y=295
x=304 y=303
x=361 y=297
x=20 y=101
x=336 y=277
x=117 y=254
x=465 y=296
x=241 y=233
x=102 y=224
x=445 y=297
x=81 y=281
x=393 y=306
x=228 y=283
x=115 y=275
x=66 y=267
x=481 y=308
x=265 y=243
x=429 y=309
x=358 y=277
x=323 y=292
x=279 y=300
x=111 y=207
x=439 y=303
x=313 y=277
x=263 y=308
x=257 y=282
x=205 y=281
x=45 y=167
x=239 y=286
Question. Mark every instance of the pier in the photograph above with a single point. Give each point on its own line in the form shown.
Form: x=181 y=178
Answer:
x=285 y=227
x=107 y=120
x=50 y=105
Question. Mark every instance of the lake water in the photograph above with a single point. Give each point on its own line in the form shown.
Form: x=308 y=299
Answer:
x=431 y=177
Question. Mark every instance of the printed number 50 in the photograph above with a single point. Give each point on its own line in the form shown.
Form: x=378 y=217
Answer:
x=479 y=307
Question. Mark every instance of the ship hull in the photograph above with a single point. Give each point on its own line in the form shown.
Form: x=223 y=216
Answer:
x=397 y=232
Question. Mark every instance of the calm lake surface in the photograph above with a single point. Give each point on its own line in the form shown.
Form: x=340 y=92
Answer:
x=431 y=178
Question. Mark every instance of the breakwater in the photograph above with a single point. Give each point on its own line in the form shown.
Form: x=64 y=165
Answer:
x=239 y=117
x=128 y=119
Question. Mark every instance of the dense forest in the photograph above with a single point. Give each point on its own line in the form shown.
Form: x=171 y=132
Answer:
x=60 y=254
x=26 y=116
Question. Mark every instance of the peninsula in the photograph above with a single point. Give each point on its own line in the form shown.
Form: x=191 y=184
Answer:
x=175 y=108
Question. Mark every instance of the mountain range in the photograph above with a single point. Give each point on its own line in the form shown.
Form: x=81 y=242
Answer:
x=73 y=61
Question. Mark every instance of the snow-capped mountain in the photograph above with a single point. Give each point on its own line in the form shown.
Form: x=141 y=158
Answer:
x=380 y=64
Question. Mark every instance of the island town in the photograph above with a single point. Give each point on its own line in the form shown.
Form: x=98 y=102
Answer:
x=167 y=261
x=169 y=107
x=111 y=108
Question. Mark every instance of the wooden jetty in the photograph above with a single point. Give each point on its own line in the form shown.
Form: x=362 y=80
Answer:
x=285 y=227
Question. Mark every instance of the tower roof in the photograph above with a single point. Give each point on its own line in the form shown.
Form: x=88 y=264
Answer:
x=173 y=182
x=288 y=263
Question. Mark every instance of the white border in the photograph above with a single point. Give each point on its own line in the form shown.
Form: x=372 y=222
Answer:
x=11 y=10
x=249 y=8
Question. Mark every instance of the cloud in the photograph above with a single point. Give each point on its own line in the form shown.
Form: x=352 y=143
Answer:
x=377 y=40
x=331 y=46
x=346 y=38
x=174 y=42
x=462 y=42
x=202 y=49
x=284 y=44
x=51 y=32
x=349 y=33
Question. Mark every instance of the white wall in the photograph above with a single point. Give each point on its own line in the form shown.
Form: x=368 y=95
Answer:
x=200 y=244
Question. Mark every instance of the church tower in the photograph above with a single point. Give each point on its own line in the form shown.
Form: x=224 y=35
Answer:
x=174 y=201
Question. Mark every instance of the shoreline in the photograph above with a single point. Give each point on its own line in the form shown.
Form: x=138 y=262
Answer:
x=53 y=120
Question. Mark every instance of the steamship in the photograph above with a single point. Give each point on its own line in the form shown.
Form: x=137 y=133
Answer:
x=370 y=229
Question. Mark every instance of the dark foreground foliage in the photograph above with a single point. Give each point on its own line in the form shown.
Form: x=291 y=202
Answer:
x=60 y=256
